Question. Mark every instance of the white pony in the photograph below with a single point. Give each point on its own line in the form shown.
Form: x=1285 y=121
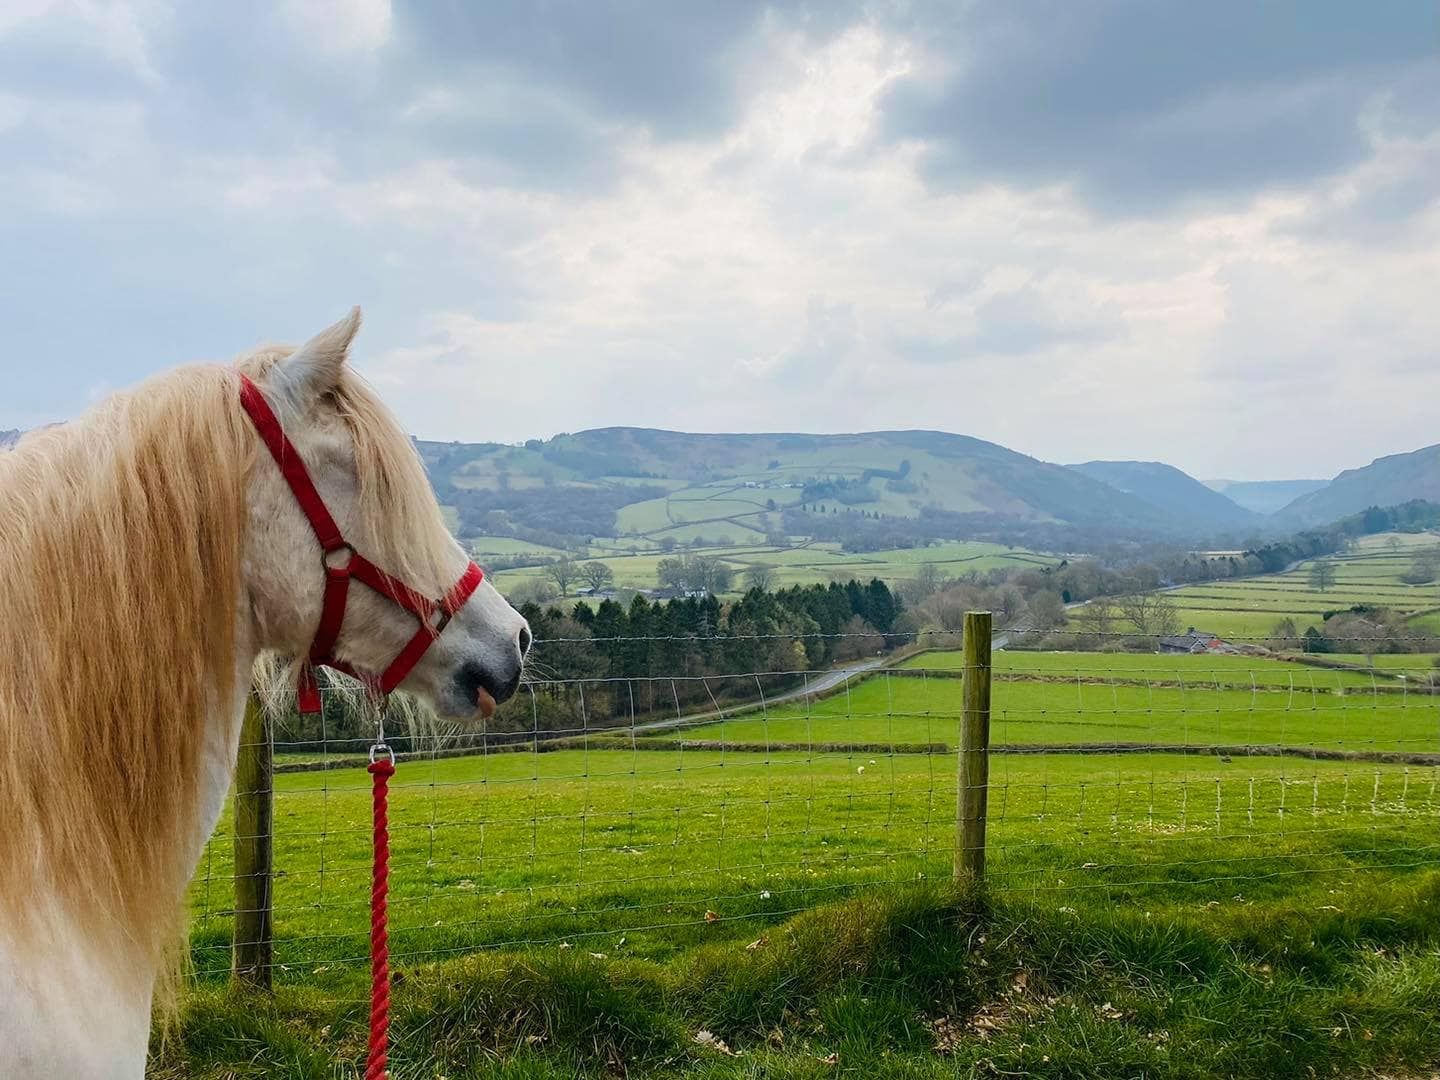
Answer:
x=149 y=552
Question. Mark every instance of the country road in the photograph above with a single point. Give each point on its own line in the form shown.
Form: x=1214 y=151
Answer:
x=821 y=683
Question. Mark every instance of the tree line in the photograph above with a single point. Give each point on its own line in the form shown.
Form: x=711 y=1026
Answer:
x=595 y=668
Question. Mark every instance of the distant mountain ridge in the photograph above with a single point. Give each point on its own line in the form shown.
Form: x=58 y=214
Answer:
x=9 y=437
x=1386 y=481
x=659 y=485
x=1171 y=490
x=1265 y=496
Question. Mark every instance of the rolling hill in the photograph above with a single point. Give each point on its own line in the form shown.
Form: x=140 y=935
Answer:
x=1173 y=491
x=666 y=485
x=1385 y=481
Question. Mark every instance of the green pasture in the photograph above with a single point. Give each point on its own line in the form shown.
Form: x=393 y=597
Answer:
x=712 y=511
x=594 y=845
x=1428 y=623
x=888 y=708
x=615 y=908
x=722 y=533
x=508 y=545
x=1199 y=671
x=1411 y=664
x=1236 y=625
x=643 y=830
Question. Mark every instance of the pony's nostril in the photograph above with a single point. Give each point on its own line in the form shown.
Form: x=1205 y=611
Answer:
x=524 y=640
x=471 y=678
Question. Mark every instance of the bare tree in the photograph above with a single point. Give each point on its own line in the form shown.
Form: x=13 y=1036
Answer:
x=1047 y=610
x=946 y=612
x=928 y=581
x=1152 y=614
x=760 y=576
x=562 y=572
x=694 y=573
x=1008 y=603
x=597 y=575
x=1097 y=618
x=1322 y=575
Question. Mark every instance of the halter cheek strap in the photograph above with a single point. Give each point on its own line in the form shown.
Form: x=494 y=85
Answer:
x=342 y=563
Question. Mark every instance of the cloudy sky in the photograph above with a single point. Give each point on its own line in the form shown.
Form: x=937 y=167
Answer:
x=1205 y=233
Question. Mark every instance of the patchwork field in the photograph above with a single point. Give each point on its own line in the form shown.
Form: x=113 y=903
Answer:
x=807 y=564
x=1369 y=574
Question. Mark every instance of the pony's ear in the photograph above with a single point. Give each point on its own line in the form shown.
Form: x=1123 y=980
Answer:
x=314 y=367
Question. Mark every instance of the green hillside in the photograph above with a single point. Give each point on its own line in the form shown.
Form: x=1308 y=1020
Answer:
x=1171 y=490
x=1386 y=481
x=735 y=489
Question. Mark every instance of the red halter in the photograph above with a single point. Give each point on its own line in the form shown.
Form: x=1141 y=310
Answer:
x=432 y=614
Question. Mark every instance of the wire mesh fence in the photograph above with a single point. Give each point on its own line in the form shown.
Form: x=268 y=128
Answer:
x=607 y=812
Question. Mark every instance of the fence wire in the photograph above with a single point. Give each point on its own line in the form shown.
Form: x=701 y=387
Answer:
x=629 y=814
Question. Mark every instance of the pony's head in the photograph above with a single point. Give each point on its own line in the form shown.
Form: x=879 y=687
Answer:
x=371 y=479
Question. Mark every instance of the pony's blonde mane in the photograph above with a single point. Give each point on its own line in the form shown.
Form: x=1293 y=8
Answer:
x=121 y=539
x=119 y=585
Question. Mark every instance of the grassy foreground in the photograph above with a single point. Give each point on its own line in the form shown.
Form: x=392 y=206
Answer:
x=1338 y=973
x=759 y=899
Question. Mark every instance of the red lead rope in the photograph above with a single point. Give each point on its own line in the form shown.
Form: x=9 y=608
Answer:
x=381 y=770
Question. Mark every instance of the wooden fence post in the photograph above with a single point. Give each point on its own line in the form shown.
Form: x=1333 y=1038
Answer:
x=974 y=764
x=252 y=950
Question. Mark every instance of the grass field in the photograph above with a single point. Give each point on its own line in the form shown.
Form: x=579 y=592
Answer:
x=1368 y=574
x=1411 y=664
x=1138 y=903
x=1200 y=671
x=518 y=848
x=1099 y=709
x=1152 y=914
x=508 y=546
x=723 y=507
x=518 y=830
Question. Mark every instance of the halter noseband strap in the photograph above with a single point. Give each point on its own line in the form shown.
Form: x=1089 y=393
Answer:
x=342 y=562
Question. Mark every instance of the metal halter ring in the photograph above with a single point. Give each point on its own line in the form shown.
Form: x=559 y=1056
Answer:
x=380 y=748
x=338 y=567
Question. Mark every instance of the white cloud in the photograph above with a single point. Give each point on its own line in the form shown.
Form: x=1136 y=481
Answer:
x=339 y=26
x=795 y=267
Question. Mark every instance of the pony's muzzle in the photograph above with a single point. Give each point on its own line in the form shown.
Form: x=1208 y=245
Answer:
x=482 y=687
